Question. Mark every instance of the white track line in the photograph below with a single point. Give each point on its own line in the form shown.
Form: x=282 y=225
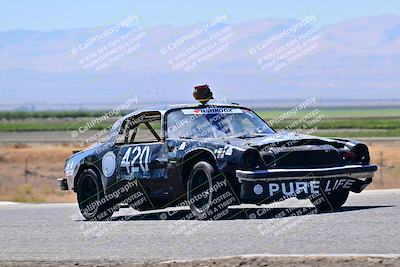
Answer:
x=8 y=203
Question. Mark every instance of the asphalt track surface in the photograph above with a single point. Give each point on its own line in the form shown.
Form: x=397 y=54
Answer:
x=368 y=224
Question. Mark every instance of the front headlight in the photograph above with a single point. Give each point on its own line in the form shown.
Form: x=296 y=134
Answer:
x=251 y=158
x=358 y=152
x=69 y=168
x=362 y=153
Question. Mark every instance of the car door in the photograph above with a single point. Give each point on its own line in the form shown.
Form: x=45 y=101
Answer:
x=143 y=161
x=142 y=154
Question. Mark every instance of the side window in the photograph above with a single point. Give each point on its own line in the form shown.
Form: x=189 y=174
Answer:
x=144 y=128
x=145 y=135
x=120 y=136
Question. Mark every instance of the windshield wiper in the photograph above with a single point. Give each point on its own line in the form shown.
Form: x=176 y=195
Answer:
x=247 y=135
x=185 y=137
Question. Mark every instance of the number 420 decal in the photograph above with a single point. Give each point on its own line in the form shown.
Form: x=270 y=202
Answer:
x=141 y=155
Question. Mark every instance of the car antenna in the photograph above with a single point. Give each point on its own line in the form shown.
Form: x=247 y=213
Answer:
x=202 y=94
x=155 y=89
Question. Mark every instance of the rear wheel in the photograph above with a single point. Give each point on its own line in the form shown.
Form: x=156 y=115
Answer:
x=207 y=192
x=330 y=201
x=92 y=203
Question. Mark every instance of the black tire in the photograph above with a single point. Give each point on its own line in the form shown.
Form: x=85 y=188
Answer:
x=207 y=192
x=330 y=201
x=92 y=203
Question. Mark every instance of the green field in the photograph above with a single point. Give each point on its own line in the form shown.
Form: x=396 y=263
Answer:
x=336 y=112
x=265 y=113
x=42 y=126
x=343 y=122
x=10 y=115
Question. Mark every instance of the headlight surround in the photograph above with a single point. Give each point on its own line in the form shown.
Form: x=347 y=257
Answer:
x=362 y=153
x=358 y=153
x=69 y=168
x=251 y=158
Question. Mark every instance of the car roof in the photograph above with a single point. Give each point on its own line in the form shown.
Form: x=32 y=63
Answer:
x=163 y=109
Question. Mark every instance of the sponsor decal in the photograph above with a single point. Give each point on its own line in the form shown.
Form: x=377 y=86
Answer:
x=291 y=188
x=222 y=152
x=182 y=146
x=206 y=111
x=258 y=189
x=108 y=164
x=229 y=151
x=341 y=183
x=304 y=187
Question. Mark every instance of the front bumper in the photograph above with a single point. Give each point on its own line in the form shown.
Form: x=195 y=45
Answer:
x=63 y=184
x=265 y=186
x=349 y=171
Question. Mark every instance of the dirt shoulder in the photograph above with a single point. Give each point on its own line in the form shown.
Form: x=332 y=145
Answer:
x=272 y=261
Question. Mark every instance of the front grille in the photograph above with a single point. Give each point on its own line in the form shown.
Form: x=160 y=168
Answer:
x=307 y=157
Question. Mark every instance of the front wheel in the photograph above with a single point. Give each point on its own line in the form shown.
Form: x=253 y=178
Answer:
x=207 y=192
x=92 y=203
x=330 y=201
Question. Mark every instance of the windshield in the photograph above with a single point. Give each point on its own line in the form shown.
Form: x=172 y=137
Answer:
x=215 y=122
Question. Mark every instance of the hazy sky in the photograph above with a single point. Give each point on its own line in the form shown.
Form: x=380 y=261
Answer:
x=62 y=14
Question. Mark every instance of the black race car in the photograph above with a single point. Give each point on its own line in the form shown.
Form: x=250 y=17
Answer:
x=209 y=157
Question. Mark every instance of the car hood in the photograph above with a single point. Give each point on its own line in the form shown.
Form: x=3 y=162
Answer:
x=279 y=139
x=86 y=152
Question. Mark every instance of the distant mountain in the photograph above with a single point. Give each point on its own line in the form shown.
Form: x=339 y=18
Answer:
x=357 y=59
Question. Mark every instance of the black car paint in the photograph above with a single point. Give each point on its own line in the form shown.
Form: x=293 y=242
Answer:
x=164 y=181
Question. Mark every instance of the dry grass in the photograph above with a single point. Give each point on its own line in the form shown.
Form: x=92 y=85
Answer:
x=386 y=152
x=46 y=164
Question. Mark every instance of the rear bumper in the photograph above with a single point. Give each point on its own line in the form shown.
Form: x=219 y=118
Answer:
x=63 y=184
x=349 y=171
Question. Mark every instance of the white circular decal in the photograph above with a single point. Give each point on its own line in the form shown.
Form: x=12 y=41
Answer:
x=108 y=164
x=258 y=189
